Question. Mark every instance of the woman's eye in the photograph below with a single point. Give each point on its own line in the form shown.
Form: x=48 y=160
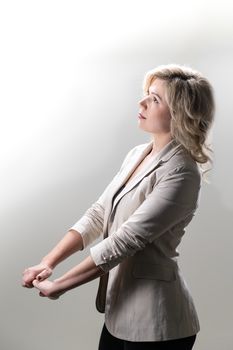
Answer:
x=147 y=94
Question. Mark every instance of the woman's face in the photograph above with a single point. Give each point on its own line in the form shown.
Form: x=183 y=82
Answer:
x=155 y=109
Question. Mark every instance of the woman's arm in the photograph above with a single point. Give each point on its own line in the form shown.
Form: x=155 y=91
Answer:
x=90 y=226
x=68 y=245
x=82 y=273
x=79 y=236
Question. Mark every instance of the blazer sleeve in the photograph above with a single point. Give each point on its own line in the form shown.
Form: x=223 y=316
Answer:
x=171 y=201
x=90 y=225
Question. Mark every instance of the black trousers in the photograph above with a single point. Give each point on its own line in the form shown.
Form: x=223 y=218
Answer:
x=109 y=342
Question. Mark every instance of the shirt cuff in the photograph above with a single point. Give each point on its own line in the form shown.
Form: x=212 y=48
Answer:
x=102 y=255
x=81 y=227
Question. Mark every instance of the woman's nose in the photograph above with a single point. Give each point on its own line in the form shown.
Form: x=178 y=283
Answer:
x=142 y=102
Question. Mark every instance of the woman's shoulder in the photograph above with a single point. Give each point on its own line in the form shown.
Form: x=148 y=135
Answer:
x=180 y=160
x=182 y=163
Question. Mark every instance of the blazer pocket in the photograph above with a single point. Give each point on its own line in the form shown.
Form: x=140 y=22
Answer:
x=154 y=271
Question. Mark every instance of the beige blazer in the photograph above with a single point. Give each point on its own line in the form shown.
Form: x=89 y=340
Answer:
x=143 y=293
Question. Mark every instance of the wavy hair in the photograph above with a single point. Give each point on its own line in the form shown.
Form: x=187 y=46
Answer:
x=190 y=98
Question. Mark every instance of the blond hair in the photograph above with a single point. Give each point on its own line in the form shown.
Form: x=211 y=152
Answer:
x=190 y=98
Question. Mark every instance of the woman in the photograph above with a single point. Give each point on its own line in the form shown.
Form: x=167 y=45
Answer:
x=142 y=215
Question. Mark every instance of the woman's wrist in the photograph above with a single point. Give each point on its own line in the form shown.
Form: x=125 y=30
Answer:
x=58 y=286
x=64 y=283
x=48 y=262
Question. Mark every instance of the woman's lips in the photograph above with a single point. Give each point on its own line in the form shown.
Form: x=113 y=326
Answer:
x=141 y=116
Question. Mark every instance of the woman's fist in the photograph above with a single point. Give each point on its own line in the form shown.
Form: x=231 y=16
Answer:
x=39 y=272
x=49 y=289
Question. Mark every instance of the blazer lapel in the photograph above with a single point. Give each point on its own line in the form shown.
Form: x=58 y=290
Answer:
x=165 y=153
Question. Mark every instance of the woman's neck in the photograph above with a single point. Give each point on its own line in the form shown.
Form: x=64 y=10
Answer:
x=159 y=141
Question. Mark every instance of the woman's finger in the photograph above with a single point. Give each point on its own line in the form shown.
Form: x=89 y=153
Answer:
x=27 y=278
x=35 y=283
x=43 y=275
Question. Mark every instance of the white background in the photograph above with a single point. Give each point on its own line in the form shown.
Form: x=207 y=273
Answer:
x=70 y=80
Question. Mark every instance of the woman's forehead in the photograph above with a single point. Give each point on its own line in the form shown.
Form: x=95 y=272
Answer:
x=158 y=86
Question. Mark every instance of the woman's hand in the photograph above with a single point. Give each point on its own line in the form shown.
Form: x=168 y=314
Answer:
x=49 y=289
x=39 y=272
x=82 y=273
x=68 y=245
